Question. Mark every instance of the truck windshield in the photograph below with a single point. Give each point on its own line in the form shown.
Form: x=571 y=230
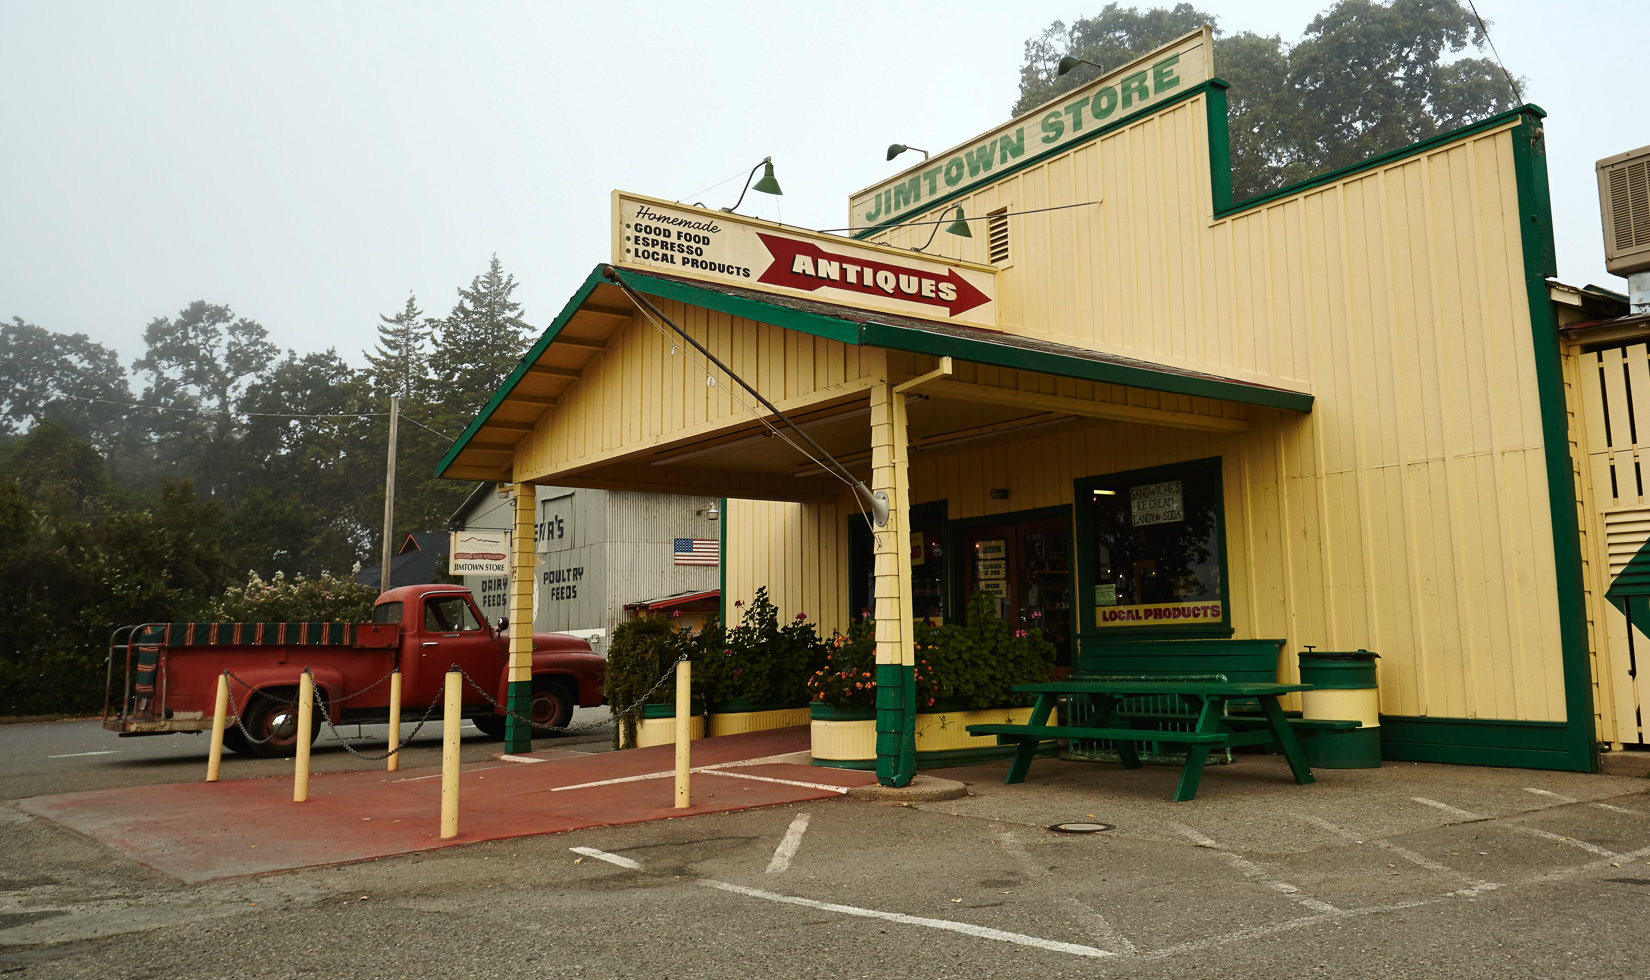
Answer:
x=387 y=612
x=448 y=614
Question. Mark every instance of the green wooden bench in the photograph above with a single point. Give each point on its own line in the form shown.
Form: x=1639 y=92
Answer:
x=1213 y=727
x=1199 y=658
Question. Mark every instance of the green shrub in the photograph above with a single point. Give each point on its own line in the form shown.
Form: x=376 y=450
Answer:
x=328 y=599
x=642 y=652
x=759 y=660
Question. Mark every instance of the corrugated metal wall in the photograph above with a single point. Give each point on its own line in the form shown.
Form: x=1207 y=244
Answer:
x=640 y=530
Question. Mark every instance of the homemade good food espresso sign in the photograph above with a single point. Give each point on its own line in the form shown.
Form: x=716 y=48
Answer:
x=715 y=246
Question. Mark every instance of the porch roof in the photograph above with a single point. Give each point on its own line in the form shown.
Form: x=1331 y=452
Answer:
x=599 y=306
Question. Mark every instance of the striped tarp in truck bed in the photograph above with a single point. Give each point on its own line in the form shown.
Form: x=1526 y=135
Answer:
x=250 y=634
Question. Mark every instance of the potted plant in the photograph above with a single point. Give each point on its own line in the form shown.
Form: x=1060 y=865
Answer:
x=965 y=674
x=640 y=682
x=842 y=717
x=758 y=678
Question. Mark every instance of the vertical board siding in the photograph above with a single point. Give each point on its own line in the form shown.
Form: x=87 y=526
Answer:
x=1611 y=401
x=1408 y=514
x=640 y=394
x=798 y=551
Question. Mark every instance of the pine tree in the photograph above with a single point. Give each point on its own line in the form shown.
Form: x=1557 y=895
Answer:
x=479 y=343
x=400 y=363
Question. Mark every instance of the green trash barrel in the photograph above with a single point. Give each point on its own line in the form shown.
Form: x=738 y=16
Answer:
x=1343 y=686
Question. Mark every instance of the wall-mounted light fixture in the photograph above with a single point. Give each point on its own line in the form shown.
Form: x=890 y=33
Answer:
x=958 y=227
x=895 y=149
x=999 y=493
x=767 y=185
x=1069 y=62
x=709 y=513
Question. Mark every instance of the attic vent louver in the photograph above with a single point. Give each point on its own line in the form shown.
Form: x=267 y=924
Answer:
x=997 y=236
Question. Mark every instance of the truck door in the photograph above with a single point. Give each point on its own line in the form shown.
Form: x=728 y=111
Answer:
x=453 y=634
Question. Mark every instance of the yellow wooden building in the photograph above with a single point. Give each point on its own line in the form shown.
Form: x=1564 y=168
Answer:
x=1333 y=414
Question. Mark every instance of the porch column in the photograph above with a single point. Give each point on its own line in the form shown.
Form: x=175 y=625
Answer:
x=896 y=660
x=518 y=736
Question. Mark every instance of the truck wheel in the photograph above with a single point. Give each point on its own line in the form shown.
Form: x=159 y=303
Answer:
x=272 y=718
x=551 y=707
x=490 y=725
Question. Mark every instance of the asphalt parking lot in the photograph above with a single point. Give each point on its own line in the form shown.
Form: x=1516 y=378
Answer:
x=1406 y=871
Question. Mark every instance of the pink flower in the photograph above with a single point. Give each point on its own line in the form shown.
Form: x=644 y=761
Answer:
x=675 y=614
x=801 y=616
x=738 y=602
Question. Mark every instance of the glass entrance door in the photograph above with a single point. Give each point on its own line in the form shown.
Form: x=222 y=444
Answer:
x=1026 y=567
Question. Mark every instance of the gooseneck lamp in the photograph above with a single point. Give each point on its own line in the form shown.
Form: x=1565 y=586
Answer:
x=958 y=227
x=895 y=149
x=767 y=185
x=1069 y=62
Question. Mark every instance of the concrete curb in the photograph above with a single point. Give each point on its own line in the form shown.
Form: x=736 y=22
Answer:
x=1624 y=764
x=922 y=789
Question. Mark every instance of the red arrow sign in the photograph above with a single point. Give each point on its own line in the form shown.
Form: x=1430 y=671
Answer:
x=806 y=266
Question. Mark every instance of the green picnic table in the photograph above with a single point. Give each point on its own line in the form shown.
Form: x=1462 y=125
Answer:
x=1206 y=701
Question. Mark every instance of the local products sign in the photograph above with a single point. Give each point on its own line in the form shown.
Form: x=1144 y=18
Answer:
x=715 y=246
x=1159 y=614
x=479 y=553
x=1048 y=129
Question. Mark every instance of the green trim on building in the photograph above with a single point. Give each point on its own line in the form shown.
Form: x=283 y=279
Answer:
x=1479 y=742
x=528 y=360
x=1382 y=160
x=1008 y=355
x=1220 y=147
x=518 y=732
x=722 y=567
x=776 y=314
x=1535 y=218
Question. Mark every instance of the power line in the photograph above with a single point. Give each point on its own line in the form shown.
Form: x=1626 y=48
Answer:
x=1517 y=95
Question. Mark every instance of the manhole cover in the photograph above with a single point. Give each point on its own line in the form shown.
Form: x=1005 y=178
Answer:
x=1080 y=828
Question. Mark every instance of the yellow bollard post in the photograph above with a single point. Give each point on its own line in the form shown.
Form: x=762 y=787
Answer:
x=306 y=725
x=220 y=718
x=451 y=721
x=683 y=733
x=395 y=721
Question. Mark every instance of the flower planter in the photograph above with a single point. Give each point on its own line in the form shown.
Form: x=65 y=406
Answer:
x=734 y=717
x=843 y=738
x=943 y=739
x=658 y=726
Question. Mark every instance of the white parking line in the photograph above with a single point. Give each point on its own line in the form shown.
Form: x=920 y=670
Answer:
x=967 y=929
x=839 y=790
x=1250 y=869
x=1474 y=885
x=788 y=844
x=1556 y=797
x=1589 y=848
x=1613 y=809
x=622 y=862
x=76 y=755
x=1452 y=811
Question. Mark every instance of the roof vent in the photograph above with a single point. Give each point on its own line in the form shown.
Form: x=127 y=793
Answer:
x=1624 y=199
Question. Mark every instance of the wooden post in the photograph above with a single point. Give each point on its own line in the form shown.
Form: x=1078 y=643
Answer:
x=389 y=497
x=394 y=762
x=684 y=732
x=306 y=725
x=451 y=720
x=220 y=716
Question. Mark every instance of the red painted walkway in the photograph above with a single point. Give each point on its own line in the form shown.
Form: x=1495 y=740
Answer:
x=202 y=831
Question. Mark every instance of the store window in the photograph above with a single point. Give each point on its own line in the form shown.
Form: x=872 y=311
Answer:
x=1152 y=547
x=928 y=565
x=1022 y=561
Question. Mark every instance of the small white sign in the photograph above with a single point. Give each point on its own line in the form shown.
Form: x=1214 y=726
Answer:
x=479 y=553
x=1156 y=503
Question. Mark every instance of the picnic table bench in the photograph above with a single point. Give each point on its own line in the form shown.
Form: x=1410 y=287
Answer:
x=1206 y=700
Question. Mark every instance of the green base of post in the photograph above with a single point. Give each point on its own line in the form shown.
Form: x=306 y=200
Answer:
x=896 y=724
x=518 y=734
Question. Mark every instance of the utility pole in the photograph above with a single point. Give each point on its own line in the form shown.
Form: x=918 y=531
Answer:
x=389 y=496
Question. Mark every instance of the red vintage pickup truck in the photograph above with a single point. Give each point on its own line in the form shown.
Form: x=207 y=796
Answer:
x=163 y=677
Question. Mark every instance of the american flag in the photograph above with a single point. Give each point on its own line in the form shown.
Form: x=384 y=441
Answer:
x=697 y=551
